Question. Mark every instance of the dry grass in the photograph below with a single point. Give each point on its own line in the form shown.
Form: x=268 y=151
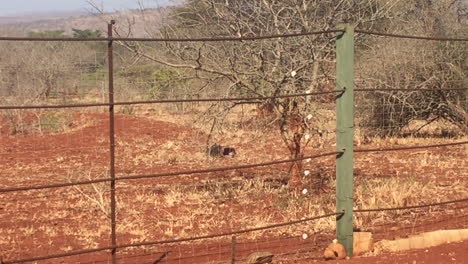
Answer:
x=158 y=210
x=213 y=207
x=400 y=192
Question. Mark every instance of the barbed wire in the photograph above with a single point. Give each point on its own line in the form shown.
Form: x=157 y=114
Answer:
x=227 y=99
x=172 y=241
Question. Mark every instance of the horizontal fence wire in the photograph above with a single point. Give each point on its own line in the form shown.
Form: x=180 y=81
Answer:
x=168 y=174
x=191 y=172
x=382 y=34
x=151 y=243
x=411 y=147
x=227 y=99
x=408 y=90
x=410 y=207
x=204 y=39
x=180 y=173
x=223 y=39
x=171 y=241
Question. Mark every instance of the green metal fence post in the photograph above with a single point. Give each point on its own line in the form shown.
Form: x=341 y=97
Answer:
x=344 y=136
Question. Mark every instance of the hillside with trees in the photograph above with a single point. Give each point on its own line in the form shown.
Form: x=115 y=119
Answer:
x=136 y=19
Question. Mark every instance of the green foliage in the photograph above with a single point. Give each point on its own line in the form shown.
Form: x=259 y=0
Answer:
x=48 y=34
x=164 y=75
x=164 y=79
x=98 y=48
x=140 y=72
x=86 y=33
x=157 y=82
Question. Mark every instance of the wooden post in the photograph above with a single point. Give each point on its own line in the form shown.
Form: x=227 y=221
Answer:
x=345 y=136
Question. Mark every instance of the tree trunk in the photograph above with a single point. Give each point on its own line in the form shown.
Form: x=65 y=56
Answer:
x=296 y=167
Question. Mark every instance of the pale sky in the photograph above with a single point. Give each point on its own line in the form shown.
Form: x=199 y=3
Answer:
x=15 y=7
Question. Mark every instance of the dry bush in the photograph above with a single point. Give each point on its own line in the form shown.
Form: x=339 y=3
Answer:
x=389 y=63
x=262 y=68
x=96 y=195
x=38 y=122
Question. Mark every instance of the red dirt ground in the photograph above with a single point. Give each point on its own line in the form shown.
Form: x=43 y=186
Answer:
x=40 y=159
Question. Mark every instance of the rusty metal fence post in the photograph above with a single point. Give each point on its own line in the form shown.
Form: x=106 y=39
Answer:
x=110 y=63
x=233 y=249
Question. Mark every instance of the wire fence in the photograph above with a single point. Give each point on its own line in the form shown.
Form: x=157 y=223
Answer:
x=107 y=198
x=222 y=169
x=228 y=99
x=223 y=39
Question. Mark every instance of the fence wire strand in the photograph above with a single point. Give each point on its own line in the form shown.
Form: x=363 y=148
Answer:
x=170 y=101
x=171 y=241
x=392 y=35
x=205 y=39
x=191 y=172
x=247 y=100
x=225 y=39
x=410 y=207
x=411 y=147
x=408 y=90
x=227 y=99
x=168 y=174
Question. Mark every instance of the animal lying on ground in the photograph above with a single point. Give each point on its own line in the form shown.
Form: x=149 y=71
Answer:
x=218 y=151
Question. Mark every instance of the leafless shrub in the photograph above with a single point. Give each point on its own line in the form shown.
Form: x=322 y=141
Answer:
x=97 y=194
x=423 y=66
x=262 y=68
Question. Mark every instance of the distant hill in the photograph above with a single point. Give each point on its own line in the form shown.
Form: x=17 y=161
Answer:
x=141 y=22
x=37 y=16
